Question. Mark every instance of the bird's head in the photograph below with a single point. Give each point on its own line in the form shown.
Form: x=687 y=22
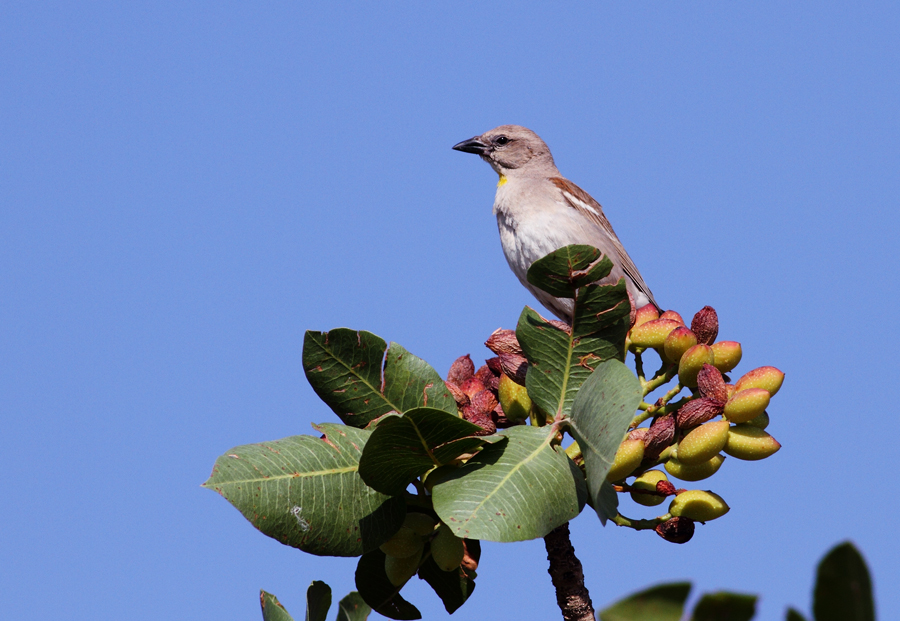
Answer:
x=511 y=150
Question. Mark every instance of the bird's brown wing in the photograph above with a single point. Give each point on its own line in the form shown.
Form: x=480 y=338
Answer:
x=585 y=204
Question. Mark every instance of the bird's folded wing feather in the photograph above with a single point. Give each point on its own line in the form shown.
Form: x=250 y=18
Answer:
x=584 y=203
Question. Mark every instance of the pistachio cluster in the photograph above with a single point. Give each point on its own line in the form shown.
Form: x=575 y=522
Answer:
x=688 y=436
x=494 y=395
x=404 y=551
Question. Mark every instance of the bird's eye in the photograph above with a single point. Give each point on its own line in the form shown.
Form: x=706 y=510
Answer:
x=501 y=140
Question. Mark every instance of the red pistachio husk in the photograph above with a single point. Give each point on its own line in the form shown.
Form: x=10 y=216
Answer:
x=665 y=487
x=698 y=411
x=462 y=369
x=472 y=386
x=503 y=341
x=461 y=398
x=514 y=366
x=484 y=374
x=676 y=529
x=484 y=402
x=711 y=384
x=494 y=365
x=485 y=421
x=705 y=325
x=660 y=435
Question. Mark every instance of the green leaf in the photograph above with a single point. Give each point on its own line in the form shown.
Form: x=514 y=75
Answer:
x=360 y=381
x=725 y=606
x=306 y=492
x=607 y=504
x=512 y=491
x=664 y=602
x=318 y=601
x=404 y=447
x=272 y=610
x=560 y=362
x=353 y=608
x=561 y=272
x=378 y=592
x=602 y=411
x=843 y=588
x=793 y=615
x=453 y=587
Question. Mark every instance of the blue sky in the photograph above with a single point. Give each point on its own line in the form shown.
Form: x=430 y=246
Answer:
x=186 y=188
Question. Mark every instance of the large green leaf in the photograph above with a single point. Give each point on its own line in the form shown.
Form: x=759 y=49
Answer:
x=559 y=361
x=562 y=272
x=725 y=606
x=664 y=602
x=843 y=588
x=353 y=608
x=453 y=587
x=318 y=601
x=272 y=610
x=512 y=491
x=306 y=492
x=360 y=381
x=377 y=590
x=602 y=411
x=404 y=447
x=794 y=615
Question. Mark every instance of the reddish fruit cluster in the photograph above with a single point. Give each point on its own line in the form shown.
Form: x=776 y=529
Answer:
x=686 y=437
x=501 y=379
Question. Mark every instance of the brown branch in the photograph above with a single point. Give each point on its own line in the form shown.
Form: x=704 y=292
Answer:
x=568 y=579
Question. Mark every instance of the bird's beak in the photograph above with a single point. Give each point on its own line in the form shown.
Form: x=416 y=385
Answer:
x=472 y=145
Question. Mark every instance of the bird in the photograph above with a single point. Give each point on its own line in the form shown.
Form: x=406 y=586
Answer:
x=539 y=211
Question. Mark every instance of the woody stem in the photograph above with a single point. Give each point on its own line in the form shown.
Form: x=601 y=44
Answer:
x=567 y=577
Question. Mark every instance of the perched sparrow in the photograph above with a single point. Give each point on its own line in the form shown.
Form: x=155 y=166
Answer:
x=539 y=211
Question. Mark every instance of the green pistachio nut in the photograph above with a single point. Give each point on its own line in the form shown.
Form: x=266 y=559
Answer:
x=729 y=390
x=750 y=443
x=652 y=334
x=403 y=544
x=703 y=443
x=677 y=343
x=447 y=549
x=648 y=481
x=699 y=505
x=644 y=314
x=769 y=378
x=761 y=421
x=697 y=472
x=727 y=355
x=514 y=399
x=420 y=523
x=628 y=457
x=692 y=362
x=670 y=314
x=747 y=404
x=399 y=570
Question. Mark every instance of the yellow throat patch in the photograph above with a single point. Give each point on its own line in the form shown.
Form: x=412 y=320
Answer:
x=502 y=181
